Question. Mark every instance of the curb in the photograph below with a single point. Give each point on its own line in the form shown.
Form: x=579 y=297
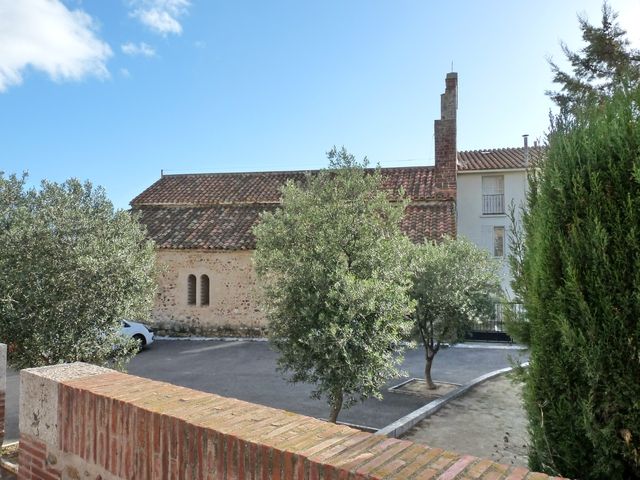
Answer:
x=217 y=339
x=364 y=428
x=490 y=346
x=411 y=379
x=404 y=424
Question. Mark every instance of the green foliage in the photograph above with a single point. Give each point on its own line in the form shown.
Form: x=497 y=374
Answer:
x=70 y=269
x=455 y=284
x=607 y=62
x=515 y=319
x=333 y=264
x=582 y=274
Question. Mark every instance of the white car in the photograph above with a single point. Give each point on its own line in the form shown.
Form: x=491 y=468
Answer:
x=138 y=332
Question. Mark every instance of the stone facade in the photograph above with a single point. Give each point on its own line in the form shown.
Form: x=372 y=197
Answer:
x=233 y=297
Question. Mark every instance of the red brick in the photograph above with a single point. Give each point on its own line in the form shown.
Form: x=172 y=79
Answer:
x=138 y=428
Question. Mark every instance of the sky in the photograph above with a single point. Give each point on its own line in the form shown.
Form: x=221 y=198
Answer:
x=114 y=91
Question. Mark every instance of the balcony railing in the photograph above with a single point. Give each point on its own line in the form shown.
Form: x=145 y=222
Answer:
x=493 y=204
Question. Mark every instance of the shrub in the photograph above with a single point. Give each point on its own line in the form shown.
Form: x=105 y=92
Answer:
x=582 y=296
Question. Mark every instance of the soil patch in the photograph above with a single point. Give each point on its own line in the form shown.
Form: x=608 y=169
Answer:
x=418 y=387
x=488 y=422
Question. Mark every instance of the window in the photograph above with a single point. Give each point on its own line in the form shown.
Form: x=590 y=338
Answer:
x=191 y=290
x=204 y=290
x=498 y=241
x=493 y=195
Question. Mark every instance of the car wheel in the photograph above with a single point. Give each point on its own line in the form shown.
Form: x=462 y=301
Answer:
x=141 y=341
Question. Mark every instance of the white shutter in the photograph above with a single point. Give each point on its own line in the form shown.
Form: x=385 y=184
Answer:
x=493 y=185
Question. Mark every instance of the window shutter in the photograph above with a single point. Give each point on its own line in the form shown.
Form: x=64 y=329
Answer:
x=493 y=185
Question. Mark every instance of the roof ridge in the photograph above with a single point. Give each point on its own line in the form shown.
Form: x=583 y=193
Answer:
x=204 y=205
x=281 y=172
x=499 y=149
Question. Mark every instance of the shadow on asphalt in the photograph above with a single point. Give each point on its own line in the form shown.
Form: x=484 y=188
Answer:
x=247 y=371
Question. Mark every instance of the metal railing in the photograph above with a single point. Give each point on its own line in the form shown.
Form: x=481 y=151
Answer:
x=493 y=204
x=496 y=323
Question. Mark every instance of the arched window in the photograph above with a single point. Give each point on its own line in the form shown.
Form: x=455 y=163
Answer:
x=204 y=290
x=191 y=290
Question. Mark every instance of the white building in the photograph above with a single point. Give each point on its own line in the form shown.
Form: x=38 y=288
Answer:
x=488 y=182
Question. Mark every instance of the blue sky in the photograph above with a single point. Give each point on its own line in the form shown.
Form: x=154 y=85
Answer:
x=113 y=91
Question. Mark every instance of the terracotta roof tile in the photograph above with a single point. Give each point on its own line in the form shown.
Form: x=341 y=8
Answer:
x=497 y=158
x=218 y=227
x=431 y=221
x=228 y=227
x=264 y=187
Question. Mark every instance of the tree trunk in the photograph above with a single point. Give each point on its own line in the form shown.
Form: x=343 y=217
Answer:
x=427 y=373
x=335 y=408
x=430 y=352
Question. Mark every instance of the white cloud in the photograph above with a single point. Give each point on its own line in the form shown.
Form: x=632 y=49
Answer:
x=125 y=73
x=46 y=36
x=141 y=48
x=161 y=16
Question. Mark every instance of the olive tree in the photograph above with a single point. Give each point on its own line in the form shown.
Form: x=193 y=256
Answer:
x=455 y=285
x=71 y=268
x=332 y=263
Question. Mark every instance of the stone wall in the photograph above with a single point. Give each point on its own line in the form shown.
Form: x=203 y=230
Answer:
x=80 y=421
x=233 y=307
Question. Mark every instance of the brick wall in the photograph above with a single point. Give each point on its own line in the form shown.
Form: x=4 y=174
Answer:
x=3 y=387
x=445 y=134
x=80 y=421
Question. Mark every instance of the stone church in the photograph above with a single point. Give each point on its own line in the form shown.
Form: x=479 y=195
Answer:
x=202 y=227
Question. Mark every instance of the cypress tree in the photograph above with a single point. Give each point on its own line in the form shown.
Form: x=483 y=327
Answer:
x=582 y=273
x=606 y=62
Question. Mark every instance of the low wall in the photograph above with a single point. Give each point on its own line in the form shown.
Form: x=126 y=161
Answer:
x=79 y=421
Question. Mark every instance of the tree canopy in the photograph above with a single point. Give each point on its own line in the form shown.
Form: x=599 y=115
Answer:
x=333 y=265
x=71 y=268
x=455 y=284
x=605 y=63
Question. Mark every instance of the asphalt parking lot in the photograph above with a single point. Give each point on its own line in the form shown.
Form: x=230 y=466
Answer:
x=247 y=370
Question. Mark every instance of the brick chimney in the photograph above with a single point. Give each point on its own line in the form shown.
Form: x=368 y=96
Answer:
x=446 y=146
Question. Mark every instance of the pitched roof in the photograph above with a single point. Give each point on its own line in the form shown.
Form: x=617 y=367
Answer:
x=496 y=158
x=264 y=187
x=217 y=227
x=229 y=227
x=429 y=221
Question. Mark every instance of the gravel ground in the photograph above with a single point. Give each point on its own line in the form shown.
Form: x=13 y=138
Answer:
x=489 y=422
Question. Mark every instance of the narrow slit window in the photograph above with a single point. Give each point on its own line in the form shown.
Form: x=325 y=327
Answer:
x=204 y=290
x=191 y=290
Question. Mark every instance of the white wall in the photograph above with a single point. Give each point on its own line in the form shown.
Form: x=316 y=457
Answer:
x=471 y=220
